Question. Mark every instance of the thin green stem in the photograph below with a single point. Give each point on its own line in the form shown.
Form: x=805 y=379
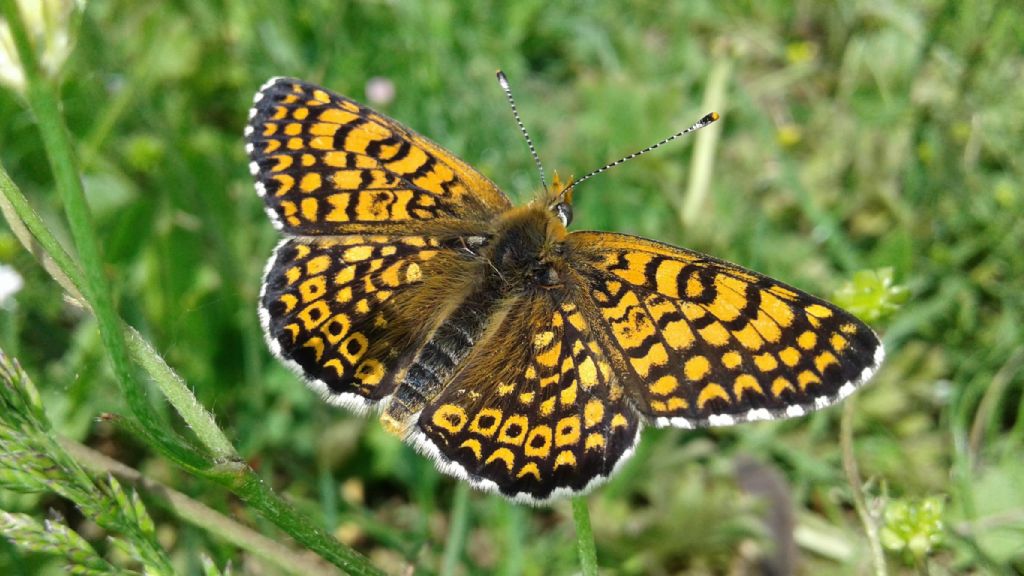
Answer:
x=43 y=101
x=584 y=537
x=856 y=486
x=457 y=526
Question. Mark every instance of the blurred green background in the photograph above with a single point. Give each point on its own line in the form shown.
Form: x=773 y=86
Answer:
x=868 y=149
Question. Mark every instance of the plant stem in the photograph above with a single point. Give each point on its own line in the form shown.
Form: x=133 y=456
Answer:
x=42 y=100
x=201 y=515
x=584 y=536
x=458 y=523
x=853 y=477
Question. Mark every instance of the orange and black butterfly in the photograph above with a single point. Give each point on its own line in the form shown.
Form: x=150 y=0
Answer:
x=517 y=355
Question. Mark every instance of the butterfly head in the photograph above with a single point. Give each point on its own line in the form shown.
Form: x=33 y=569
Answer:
x=559 y=201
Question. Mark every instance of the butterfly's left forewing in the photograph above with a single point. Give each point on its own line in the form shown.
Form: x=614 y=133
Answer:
x=702 y=342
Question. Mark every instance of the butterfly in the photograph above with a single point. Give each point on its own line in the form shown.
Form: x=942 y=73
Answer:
x=518 y=356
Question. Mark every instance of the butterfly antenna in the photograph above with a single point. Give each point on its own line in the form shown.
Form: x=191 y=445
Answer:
x=503 y=80
x=707 y=119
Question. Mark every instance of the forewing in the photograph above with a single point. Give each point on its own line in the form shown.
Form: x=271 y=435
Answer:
x=335 y=309
x=704 y=342
x=537 y=411
x=325 y=164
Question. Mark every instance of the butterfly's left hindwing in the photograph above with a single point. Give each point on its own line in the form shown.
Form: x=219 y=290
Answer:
x=702 y=342
x=329 y=309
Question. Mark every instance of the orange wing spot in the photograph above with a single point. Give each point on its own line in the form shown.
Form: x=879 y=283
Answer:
x=784 y=293
x=838 y=342
x=806 y=378
x=819 y=311
x=715 y=334
x=390 y=275
x=676 y=404
x=289 y=301
x=780 y=385
x=656 y=356
x=692 y=311
x=513 y=431
x=322 y=142
x=318 y=265
x=658 y=406
x=766 y=327
x=269 y=129
x=310 y=182
x=284 y=184
x=300 y=113
x=293 y=129
x=766 y=362
x=486 y=422
x=313 y=289
x=778 y=310
x=412 y=162
x=339 y=207
x=309 y=207
x=568 y=394
x=505 y=455
x=336 y=159
x=293 y=274
x=565 y=458
x=678 y=334
x=363 y=306
x=619 y=421
x=357 y=253
x=541 y=340
x=283 y=162
x=336 y=116
x=550 y=357
x=294 y=330
x=450 y=417
x=749 y=338
x=789 y=356
x=323 y=129
x=807 y=340
x=729 y=298
x=474 y=446
x=538 y=442
x=339 y=368
x=636 y=265
x=696 y=368
x=848 y=328
x=344 y=276
x=593 y=413
x=280 y=112
x=709 y=393
x=694 y=286
x=595 y=441
x=567 y=432
x=317 y=344
x=272 y=146
x=824 y=360
x=373 y=205
x=577 y=321
x=667 y=277
x=314 y=314
x=506 y=389
x=412 y=272
x=587 y=373
x=354 y=347
x=370 y=372
x=295 y=143
x=302 y=251
x=529 y=469
x=628 y=300
x=321 y=96
x=743 y=383
x=527 y=398
x=731 y=359
x=664 y=386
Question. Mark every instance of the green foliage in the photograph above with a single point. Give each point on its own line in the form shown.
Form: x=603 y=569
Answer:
x=867 y=150
x=913 y=529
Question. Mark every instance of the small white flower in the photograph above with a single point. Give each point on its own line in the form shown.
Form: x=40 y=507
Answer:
x=47 y=23
x=10 y=284
x=380 y=91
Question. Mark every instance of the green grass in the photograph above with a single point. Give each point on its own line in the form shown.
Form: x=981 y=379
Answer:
x=855 y=137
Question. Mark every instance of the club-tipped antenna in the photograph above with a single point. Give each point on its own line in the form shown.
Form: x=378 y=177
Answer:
x=707 y=119
x=503 y=80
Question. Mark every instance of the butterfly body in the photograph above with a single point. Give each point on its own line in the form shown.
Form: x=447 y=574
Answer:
x=520 y=356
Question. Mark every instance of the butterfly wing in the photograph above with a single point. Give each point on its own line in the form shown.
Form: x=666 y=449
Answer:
x=536 y=411
x=325 y=164
x=336 y=309
x=702 y=342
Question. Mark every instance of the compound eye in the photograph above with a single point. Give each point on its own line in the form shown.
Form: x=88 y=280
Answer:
x=564 y=212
